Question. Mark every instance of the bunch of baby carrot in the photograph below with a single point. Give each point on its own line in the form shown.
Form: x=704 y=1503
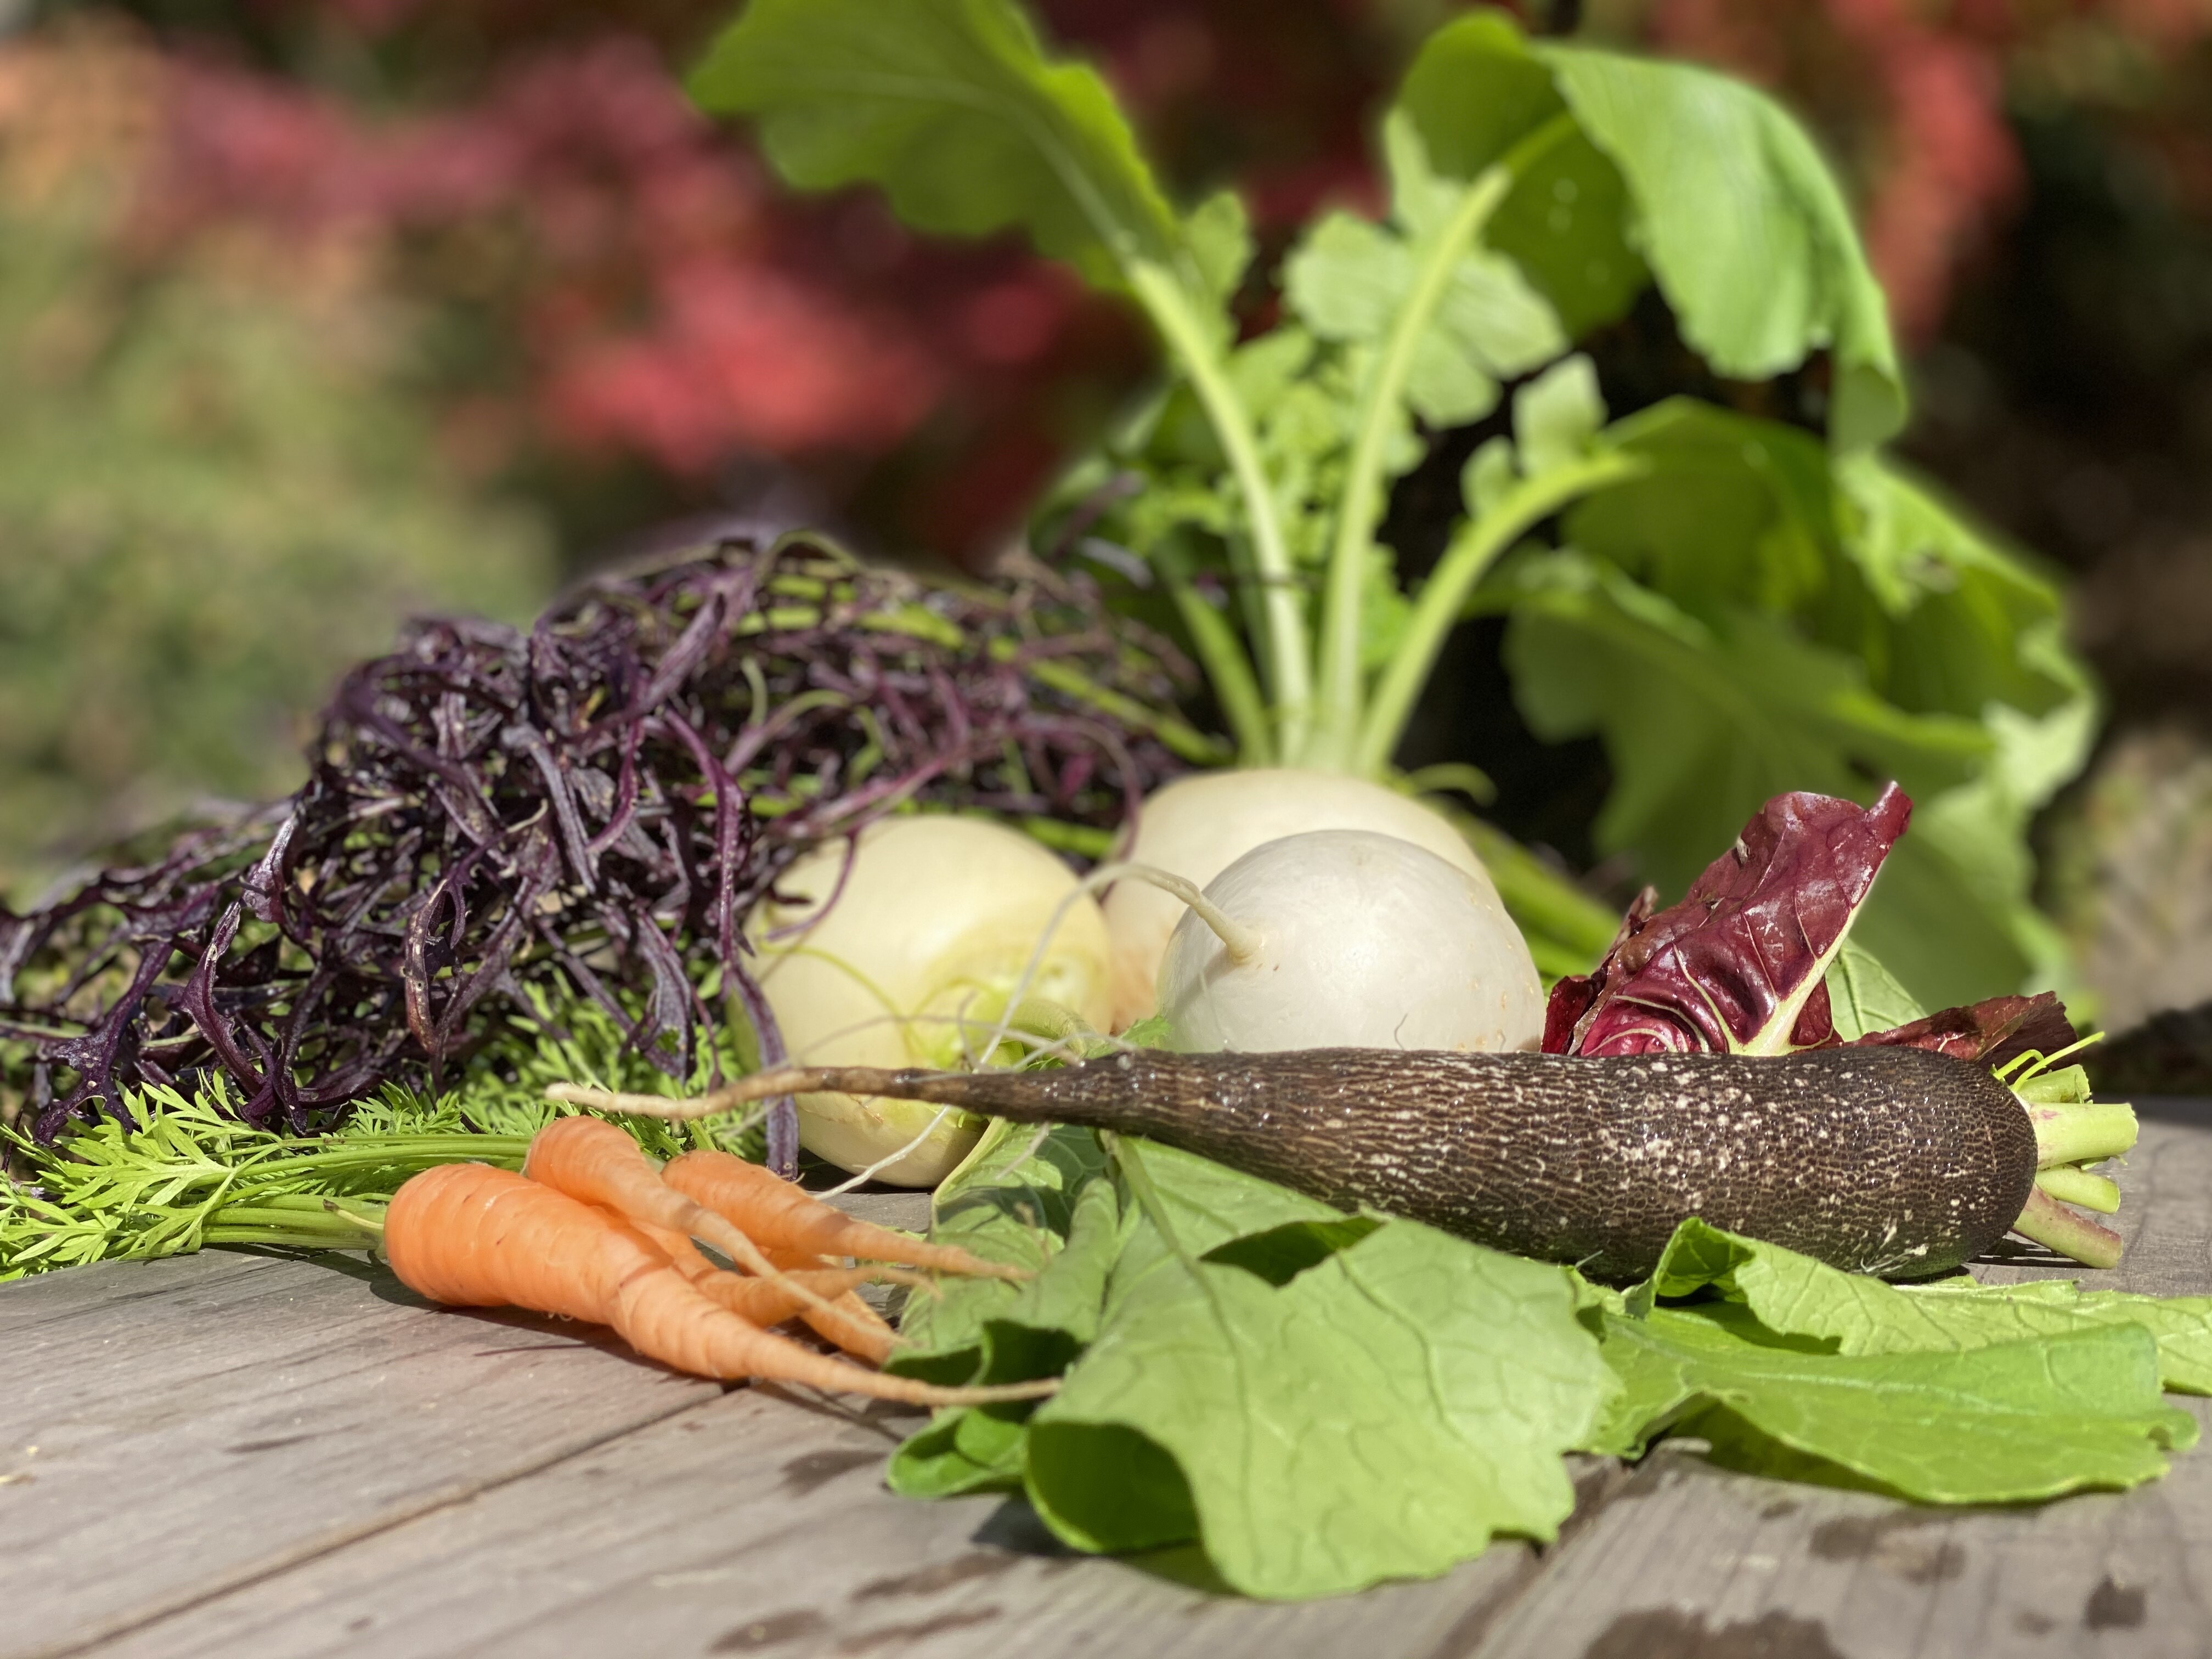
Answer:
x=594 y=1230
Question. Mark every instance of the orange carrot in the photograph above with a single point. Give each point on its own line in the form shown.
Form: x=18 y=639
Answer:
x=857 y=1329
x=473 y=1236
x=592 y=1160
x=778 y=1215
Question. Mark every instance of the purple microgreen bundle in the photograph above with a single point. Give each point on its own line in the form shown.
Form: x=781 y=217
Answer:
x=586 y=810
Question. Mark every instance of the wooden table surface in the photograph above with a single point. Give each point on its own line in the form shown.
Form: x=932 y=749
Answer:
x=237 y=1455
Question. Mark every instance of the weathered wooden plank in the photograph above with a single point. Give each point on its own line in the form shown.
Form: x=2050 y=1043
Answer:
x=176 y=1426
x=1691 y=1560
x=759 y=1524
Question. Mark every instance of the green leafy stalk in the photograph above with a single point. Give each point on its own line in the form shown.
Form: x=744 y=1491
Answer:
x=2069 y=1183
x=953 y=110
x=2086 y=1132
x=1227 y=666
x=1286 y=658
x=1472 y=552
x=2052 y=1225
x=296 y=1222
x=195 y=1175
x=1753 y=610
x=1360 y=504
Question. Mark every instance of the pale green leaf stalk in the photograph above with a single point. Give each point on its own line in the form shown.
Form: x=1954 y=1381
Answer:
x=1337 y=739
x=1472 y=552
x=1221 y=653
x=1287 y=660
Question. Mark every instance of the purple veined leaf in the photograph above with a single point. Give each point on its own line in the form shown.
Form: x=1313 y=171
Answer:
x=1573 y=995
x=1739 y=965
x=1994 y=1032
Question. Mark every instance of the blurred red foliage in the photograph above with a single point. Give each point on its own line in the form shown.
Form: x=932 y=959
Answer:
x=1913 y=96
x=660 y=301
x=642 y=289
x=628 y=283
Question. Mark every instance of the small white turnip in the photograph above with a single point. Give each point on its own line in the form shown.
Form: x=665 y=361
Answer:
x=1197 y=827
x=1345 y=939
x=913 y=965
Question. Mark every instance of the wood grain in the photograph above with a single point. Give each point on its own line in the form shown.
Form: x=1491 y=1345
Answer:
x=268 y=1411
x=759 y=1524
x=200 y=1421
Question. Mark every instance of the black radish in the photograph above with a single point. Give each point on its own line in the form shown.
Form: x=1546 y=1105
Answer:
x=1878 y=1160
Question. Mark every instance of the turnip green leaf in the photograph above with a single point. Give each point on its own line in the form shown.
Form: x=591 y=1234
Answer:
x=2005 y=1423
x=1478 y=88
x=1744 y=227
x=1863 y=996
x=1557 y=415
x=1793 y=1296
x=1382 y=1415
x=1705 y=718
x=952 y=108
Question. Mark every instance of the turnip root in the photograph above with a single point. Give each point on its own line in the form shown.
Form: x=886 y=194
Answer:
x=913 y=962
x=1197 y=827
x=1346 y=938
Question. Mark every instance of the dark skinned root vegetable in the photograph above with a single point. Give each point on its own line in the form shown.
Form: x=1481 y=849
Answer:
x=1899 y=1162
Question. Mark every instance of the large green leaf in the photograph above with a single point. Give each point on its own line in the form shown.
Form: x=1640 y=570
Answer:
x=1676 y=173
x=1974 y=629
x=2005 y=1423
x=1795 y=622
x=1475 y=90
x=1705 y=718
x=1963 y=620
x=1731 y=512
x=1744 y=227
x=1383 y=1414
x=951 y=107
x=1862 y=557
x=1004 y=1333
x=1793 y=1295
x=1019 y=1198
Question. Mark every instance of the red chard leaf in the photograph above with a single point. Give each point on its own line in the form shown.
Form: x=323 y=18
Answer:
x=1994 y=1033
x=1573 y=994
x=1738 y=966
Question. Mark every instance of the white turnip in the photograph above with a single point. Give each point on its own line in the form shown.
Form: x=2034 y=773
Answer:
x=1345 y=939
x=913 y=962
x=1197 y=827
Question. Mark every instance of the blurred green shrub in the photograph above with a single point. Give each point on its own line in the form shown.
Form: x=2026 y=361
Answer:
x=216 y=488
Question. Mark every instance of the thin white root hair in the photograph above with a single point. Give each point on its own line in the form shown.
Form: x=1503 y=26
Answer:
x=713 y=1103
x=888 y=1159
x=1242 y=943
